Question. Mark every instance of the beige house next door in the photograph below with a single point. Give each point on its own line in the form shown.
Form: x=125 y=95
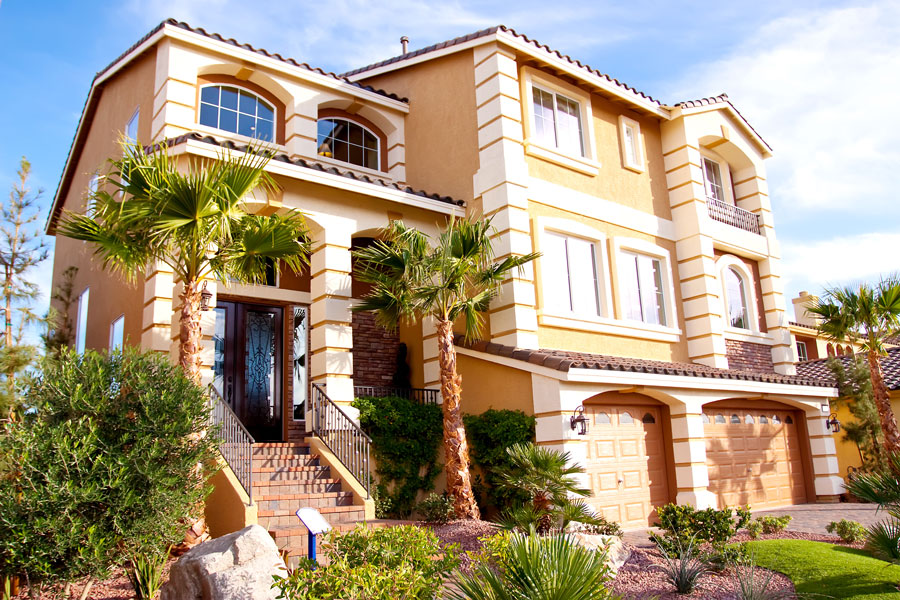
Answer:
x=754 y=457
x=626 y=462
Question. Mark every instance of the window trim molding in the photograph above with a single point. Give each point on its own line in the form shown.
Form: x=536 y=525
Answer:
x=730 y=261
x=624 y=123
x=630 y=245
x=381 y=158
x=81 y=327
x=136 y=119
x=724 y=173
x=112 y=325
x=256 y=94
x=587 y=163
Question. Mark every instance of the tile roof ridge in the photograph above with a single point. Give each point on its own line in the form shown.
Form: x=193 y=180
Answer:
x=261 y=51
x=721 y=99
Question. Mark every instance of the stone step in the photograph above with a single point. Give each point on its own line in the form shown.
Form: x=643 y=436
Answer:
x=274 y=474
x=291 y=502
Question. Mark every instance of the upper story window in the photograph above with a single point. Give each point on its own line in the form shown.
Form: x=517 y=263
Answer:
x=81 y=321
x=571 y=282
x=802 y=354
x=712 y=179
x=117 y=334
x=131 y=128
x=557 y=121
x=632 y=152
x=736 y=299
x=236 y=110
x=349 y=142
x=641 y=283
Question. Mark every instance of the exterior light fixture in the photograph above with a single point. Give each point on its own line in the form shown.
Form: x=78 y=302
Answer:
x=205 y=297
x=833 y=424
x=579 y=421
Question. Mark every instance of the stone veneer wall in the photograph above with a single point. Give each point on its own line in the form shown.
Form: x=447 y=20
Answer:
x=749 y=356
x=374 y=351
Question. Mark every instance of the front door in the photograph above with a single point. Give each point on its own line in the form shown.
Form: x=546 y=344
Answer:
x=247 y=370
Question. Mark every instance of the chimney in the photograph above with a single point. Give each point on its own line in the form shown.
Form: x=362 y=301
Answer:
x=800 y=303
x=404 y=43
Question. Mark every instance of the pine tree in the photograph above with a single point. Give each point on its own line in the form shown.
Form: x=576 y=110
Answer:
x=60 y=332
x=22 y=247
x=855 y=391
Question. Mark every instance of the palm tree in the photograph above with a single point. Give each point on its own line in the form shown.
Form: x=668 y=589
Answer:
x=866 y=315
x=548 y=478
x=194 y=221
x=455 y=279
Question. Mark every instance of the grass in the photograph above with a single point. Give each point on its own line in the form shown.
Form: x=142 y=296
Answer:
x=821 y=570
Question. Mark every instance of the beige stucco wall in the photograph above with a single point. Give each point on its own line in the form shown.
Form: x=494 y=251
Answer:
x=489 y=385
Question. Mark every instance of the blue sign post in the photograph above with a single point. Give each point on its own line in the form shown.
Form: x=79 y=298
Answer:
x=315 y=524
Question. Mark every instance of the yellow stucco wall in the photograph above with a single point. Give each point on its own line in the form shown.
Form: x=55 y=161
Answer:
x=488 y=385
x=847 y=451
x=227 y=506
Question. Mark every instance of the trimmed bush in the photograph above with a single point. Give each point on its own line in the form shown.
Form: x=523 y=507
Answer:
x=105 y=467
x=436 y=509
x=489 y=435
x=848 y=531
x=684 y=525
x=768 y=525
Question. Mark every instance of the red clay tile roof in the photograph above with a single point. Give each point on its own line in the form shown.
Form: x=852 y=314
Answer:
x=796 y=324
x=721 y=99
x=890 y=368
x=563 y=360
x=490 y=31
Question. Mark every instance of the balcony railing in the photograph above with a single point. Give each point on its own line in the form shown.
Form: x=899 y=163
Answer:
x=420 y=395
x=343 y=437
x=732 y=215
x=236 y=446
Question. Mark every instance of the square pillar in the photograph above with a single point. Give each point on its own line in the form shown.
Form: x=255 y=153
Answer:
x=689 y=453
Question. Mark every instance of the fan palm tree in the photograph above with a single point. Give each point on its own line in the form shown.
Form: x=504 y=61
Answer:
x=193 y=220
x=455 y=279
x=866 y=315
x=547 y=476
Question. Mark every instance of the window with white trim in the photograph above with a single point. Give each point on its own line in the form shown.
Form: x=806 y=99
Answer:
x=632 y=151
x=131 y=128
x=571 y=275
x=712 y=180
x=117 y=334
x=642 y=289
x=81 y=321
x=237 y=110
x=349 y=142
x=736 y=298
x=557 y=121
x=802 y=355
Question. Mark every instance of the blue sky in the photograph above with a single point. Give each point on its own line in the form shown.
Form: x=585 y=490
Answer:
x=819 y=81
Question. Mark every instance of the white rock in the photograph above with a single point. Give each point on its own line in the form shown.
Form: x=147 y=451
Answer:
x=617 y=554
x=237 y=566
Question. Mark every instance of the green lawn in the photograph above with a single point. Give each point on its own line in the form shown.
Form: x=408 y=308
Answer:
x=825 y=570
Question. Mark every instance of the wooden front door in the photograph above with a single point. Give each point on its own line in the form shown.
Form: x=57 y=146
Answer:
x=626 y=462
x=248 y=365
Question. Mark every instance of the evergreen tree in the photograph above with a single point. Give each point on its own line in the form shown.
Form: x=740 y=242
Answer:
x=855 y=388
x=60 y=332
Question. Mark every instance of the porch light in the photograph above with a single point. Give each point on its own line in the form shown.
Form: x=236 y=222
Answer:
x=205 y=297
x=833 y=424
x=579 y=421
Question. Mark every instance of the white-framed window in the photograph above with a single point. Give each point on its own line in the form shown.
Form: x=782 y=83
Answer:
x=81 y=321
x=349 y=142
x=237 y=110
x=643 y=294
x=712 y=180
x=736 y=298
x=739 y=300
x=632 y=145
x=131 y=128
x=557 y=121
x=572 y=277
x=117 y=334
x=802 y=355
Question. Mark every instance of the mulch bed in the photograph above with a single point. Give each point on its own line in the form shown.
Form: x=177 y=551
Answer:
x=117 y=587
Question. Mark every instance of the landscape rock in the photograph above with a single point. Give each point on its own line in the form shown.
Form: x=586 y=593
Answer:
x=237 y=566
x=617 y=553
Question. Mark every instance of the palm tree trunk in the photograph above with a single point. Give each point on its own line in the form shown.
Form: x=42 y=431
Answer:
x=190 y=332
x=883 y=403
x=456 y=448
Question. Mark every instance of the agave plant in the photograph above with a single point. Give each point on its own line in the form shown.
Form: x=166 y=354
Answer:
x=755 y=584
x=883 y=540
x=538 y=568
x=684 y=565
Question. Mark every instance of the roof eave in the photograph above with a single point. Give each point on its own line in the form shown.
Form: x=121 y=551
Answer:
x=762 y=145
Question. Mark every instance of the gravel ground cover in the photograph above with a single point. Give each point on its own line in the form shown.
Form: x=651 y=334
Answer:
x=117 y=587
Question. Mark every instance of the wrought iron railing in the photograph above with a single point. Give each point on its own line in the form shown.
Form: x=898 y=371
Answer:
x=732 y=215
x=420 y=395
x=236 y=446
x=341 y=434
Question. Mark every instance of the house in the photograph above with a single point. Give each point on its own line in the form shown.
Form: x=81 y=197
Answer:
x=655 y=311
x=810 y=344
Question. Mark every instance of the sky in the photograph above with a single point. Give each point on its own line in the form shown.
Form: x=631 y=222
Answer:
x=819 y=80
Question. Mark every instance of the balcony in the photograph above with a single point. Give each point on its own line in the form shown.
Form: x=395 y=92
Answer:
x=732 y=215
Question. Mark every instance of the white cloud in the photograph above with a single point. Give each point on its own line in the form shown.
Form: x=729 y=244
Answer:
x=821 y=87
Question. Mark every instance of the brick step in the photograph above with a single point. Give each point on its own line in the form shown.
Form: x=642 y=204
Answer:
x=287 y=460
x=274 y=475
x=263 y=489
x=288 y=525
x=280 y=448
x=296 y=545
x=291 y=502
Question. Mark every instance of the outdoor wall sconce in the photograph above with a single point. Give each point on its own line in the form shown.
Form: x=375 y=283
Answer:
x=579 y=421
x=205 y=297
x=833 y=424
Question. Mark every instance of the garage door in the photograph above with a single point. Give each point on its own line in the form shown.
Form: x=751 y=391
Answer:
x=754 y=457
x=626 y=463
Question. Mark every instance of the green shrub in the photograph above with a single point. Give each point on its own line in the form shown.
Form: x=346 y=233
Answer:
x=406 y=437
x=849 y=531
x=600 y=526
x=728 y=556
x=489 y=435
x=883 y=540
x=374 y=564
x=772 y=525
x=494 y=550
x=683 y=524
x=754 y=528
x=145 y=575
x=105 y=466
x=436 y=509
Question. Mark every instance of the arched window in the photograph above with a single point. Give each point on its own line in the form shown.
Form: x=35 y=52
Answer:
x=848 y=350
x=736 y=299
x=601 y=418
x=720 y=418
x=349 y=142
x=626 y=419
x=776 y=419
x=829 y=349
x=788 y=420
x=233 y=109
x=735 y=419
x=705 y=418
x=748 y=420
x=648 y=419
x=763 y=420
x=840 y=350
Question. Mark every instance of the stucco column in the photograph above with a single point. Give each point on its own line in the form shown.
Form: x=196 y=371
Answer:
x=331 y=328
x=689 y=452
x=156 y=326
x=431 y=370
x=501 y=186
x=828 y=483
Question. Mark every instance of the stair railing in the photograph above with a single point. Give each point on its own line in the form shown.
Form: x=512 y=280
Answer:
x=236 y=445
x=341 y=435
x=420 y=395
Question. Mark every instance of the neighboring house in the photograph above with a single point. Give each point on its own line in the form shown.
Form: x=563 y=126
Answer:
x=809 y=343
x=655 y=311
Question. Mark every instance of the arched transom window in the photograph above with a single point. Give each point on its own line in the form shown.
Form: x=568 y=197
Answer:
x=233 y=109
x=736 y=298
x=349 y=142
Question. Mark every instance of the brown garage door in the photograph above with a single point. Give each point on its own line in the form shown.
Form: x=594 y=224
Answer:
x=754 y=457
x=626 y=462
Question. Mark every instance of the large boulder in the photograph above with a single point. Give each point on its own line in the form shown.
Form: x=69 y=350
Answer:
x=617 y=553
x=237 y=566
